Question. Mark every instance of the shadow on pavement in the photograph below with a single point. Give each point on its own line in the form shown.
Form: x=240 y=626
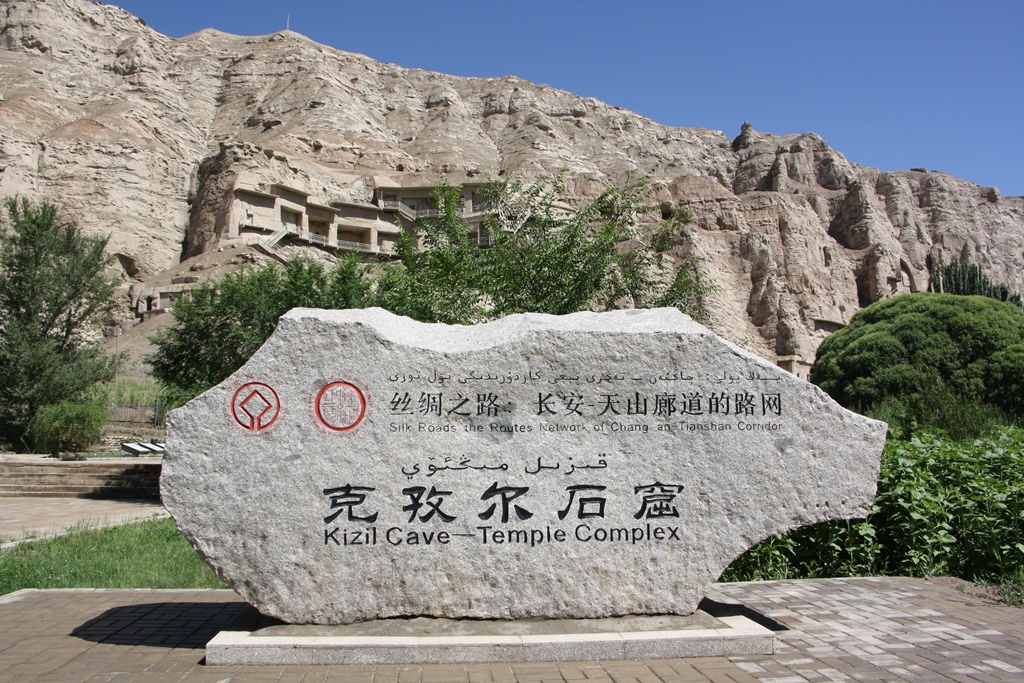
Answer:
x=193 y=624
x=731 y=609
x=167 y=624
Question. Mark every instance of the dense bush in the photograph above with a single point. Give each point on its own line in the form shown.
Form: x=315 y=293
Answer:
x=895 y=348
x=936 y=405
x=1005 y=379
x=66 y=427
x=943 y=507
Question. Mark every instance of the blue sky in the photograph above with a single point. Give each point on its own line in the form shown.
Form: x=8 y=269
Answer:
x=894 y=84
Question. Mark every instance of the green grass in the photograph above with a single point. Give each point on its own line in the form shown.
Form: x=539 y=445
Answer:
x=1011 y=589
x=150 y=554
x=126 y=391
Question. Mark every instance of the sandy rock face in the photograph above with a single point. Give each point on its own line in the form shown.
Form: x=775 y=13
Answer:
x=363 y=465
x=141 y=136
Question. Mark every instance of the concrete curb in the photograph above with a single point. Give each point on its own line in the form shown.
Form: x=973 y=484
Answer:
x=737 y=636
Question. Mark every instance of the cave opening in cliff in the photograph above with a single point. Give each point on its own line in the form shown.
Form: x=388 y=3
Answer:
x=128 y=265
x=863 y=289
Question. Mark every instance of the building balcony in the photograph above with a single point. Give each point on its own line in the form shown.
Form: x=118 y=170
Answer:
x=401 y=208
x=255 y=223
x=356 y=246
x=408 y=211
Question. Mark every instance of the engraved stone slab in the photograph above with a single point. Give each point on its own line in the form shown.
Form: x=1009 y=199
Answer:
x=362 y=465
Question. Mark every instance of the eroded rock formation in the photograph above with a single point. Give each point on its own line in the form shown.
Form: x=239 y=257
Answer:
x=142 y=136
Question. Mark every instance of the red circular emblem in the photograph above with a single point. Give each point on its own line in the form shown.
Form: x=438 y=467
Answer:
x=255 y=406
x=340 y=406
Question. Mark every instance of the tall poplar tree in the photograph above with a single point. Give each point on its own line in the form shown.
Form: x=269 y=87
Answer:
x=52 y=294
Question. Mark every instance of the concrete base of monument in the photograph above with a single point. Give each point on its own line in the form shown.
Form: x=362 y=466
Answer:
x=435 y=641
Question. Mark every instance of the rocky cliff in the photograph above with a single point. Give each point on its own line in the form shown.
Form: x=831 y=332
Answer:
x=141 y=136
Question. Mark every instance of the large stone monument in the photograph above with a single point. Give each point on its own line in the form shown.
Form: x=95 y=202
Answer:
x=362 y=465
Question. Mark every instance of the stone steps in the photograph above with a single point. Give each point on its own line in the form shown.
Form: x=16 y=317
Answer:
x=58 y=476
x=76 y=480
x=133 y=473
x=102 y=492
x=83 y=479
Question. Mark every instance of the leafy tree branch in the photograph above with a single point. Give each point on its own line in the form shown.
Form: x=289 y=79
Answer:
x=52 y=294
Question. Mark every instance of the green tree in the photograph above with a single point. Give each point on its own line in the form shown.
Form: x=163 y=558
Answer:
x=921 y=349
x=440 y=277
x=541 y=257
x=223 y=323
x=52 y=293
x=545 y=258
x=963 y=277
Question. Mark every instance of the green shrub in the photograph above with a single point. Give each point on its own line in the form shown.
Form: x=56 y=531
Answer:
x=895 y=348
x=1011 y=589
x=937 y=406
x=66 y=427
x=943 y=507
x=1005 y=380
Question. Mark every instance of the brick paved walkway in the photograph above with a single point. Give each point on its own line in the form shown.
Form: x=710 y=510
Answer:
x=833 y=630
x=20 y=517
x=882 y=629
